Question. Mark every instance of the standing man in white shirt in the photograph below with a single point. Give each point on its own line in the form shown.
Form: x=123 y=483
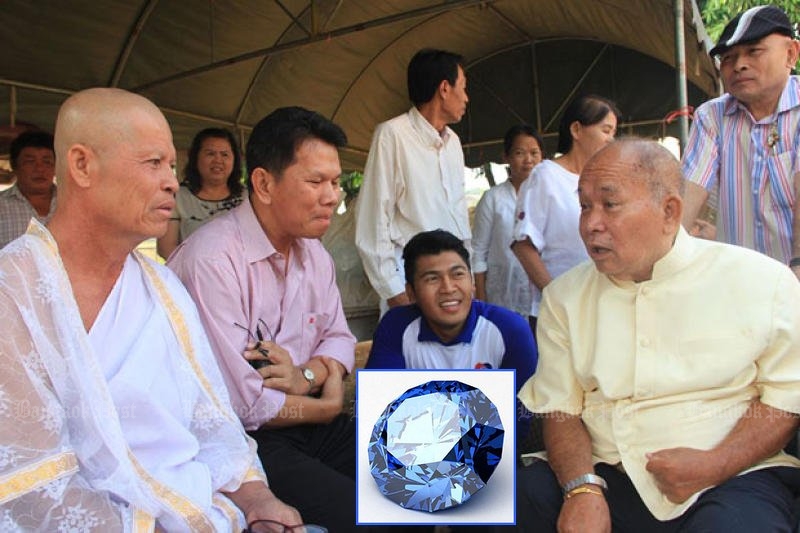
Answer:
x=414 y=176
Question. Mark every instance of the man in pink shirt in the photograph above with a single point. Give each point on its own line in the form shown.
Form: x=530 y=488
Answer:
x=266 y=291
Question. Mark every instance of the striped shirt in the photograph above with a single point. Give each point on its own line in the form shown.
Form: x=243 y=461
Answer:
x=753 y=164
x=16 y=212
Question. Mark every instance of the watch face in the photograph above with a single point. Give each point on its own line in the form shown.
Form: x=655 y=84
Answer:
x=308 y=374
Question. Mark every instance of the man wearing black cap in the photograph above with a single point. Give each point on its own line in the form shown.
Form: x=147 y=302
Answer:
x=746 y=143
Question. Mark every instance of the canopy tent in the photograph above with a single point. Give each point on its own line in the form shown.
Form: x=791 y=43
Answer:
x=230 y=62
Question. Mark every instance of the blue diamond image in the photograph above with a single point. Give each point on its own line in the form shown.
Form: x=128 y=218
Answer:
x=436 y=445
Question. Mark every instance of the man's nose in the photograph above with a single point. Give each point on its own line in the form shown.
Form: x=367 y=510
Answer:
x=331 y=194
x=447 y=284
x=171 y=180
x=592 y=220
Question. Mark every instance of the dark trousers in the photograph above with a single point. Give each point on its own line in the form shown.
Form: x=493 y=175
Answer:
x=312 y=468
x=761 y=501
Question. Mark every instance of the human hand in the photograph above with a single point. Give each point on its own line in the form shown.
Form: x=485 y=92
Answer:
x=282 y=374
x=703 y=229
x=681 y=472
x=332 y=394
x=257 y=355
x=585 y=513
x=398 y=300
x=269 y=507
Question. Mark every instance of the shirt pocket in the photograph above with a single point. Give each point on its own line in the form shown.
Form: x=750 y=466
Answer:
x=781 y=176
x=313 y=328
x=718 y=361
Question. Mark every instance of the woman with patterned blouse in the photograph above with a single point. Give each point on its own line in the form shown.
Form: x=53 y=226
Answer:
x=212 y=185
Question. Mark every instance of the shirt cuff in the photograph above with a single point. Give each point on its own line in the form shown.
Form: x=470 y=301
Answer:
x=267 y=407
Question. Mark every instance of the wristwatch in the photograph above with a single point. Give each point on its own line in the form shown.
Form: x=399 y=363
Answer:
x=309 y=375
x=590 y=479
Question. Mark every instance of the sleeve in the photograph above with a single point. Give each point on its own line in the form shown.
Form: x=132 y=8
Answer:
x=215 y=288
x=554 y=386
x=778 y=379
x=41 y=484
x=533 y=209
x=482 y=232
x=701 y=157
x=521 y=353
x=375 y=214
x=337 y=341
x=387 y=342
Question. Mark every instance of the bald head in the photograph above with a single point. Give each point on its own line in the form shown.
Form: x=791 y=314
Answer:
x=116 y=169
x=99 y=118
x=630 y=207
x=646 y=160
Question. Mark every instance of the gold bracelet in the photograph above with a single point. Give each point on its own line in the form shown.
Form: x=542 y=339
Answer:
x=583 y=489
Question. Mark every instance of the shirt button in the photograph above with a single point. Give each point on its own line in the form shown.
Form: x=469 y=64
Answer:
x=644 y=342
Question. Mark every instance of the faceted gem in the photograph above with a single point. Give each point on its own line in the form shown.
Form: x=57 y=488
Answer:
x=436 y=445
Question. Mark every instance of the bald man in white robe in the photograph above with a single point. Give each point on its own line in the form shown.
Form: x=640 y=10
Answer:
x=113 y=414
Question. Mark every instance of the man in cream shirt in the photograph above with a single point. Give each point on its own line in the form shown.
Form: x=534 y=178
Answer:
x=669 y=375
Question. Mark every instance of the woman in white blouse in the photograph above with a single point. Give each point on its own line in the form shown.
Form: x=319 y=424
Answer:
x=546 y=239
x=499 y=277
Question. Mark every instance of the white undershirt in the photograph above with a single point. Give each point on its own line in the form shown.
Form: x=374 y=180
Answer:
x=138 y=354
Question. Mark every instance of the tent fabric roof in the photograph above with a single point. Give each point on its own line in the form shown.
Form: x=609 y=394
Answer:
x=230 y=62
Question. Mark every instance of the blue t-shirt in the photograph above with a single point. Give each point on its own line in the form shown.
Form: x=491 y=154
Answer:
x=492 y=337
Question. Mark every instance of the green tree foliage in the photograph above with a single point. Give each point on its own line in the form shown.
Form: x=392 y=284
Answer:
x=717 y=13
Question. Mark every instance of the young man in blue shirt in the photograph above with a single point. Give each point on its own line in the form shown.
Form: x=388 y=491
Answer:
x=445 y=327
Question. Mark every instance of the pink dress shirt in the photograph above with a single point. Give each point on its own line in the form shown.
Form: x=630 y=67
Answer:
x=235 y=275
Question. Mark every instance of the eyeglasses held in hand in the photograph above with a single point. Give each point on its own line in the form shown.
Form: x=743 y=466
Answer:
x=259 y=338
x=270 y=526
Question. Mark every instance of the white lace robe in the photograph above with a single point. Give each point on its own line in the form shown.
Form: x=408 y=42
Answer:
x=64 y=462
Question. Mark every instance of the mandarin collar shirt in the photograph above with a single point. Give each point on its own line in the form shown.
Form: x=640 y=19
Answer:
x=670 y=362
x=236 y=276
x=506 y=282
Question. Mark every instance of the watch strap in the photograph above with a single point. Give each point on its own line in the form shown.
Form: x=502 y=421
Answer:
x=585 y=479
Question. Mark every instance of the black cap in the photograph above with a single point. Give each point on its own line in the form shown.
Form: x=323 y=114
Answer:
x=752 y=25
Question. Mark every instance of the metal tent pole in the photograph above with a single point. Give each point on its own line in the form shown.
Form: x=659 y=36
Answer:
x=680 y=66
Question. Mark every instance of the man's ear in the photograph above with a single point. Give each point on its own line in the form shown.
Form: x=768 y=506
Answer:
x=263 y=183
x=793 y=53
x=444 y=88
x=673 y=211
x=81 y=161
x=412 y=297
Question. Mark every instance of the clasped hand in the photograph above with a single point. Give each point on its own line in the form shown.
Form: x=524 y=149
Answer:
x=281 y=374
x=681 y=472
